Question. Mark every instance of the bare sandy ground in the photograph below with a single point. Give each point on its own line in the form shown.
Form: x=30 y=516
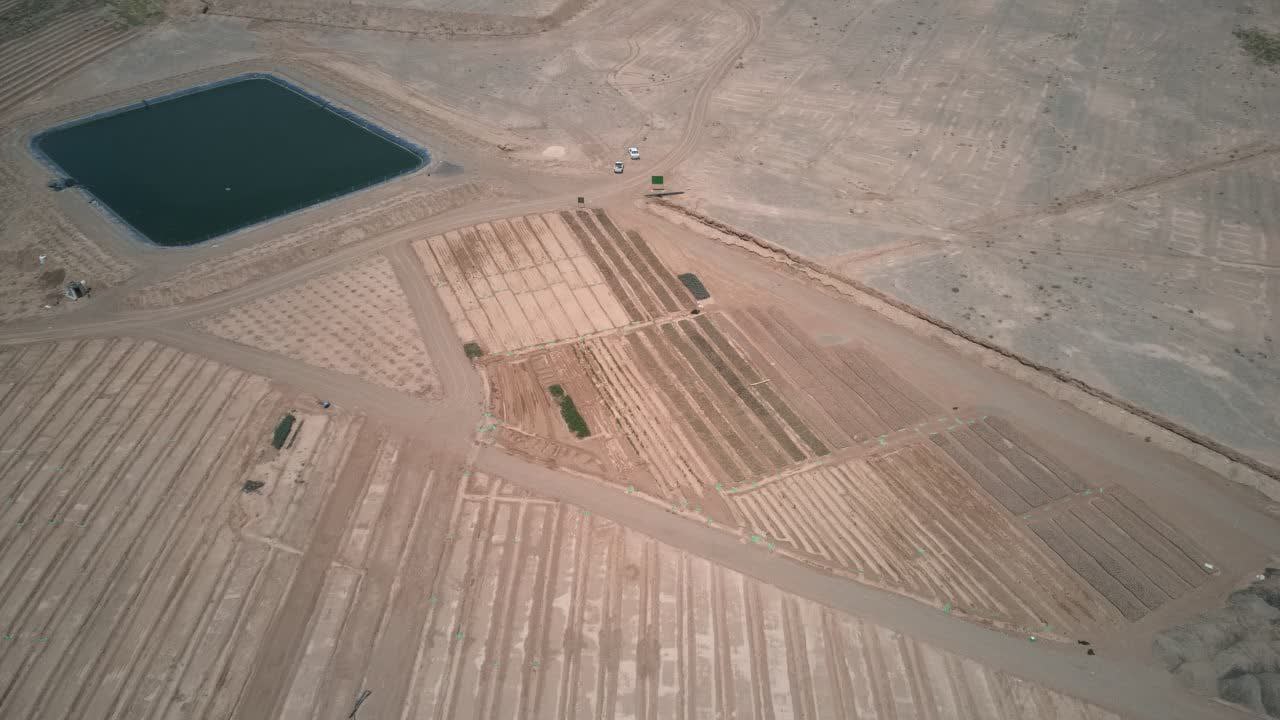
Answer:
x=789 y=505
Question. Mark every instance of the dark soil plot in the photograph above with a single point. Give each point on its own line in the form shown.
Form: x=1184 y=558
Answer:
x=183 y=169
x=696 y=288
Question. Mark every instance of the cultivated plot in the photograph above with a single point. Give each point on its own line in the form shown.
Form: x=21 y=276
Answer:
x=676 y=408
x=912 y=521
x=543 y=610
x=124 y=579
x=158 y=558
x=845 y=390
x=539 y=279
x=356 y=322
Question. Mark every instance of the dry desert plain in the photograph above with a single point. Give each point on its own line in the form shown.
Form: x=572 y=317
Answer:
x=978 y=421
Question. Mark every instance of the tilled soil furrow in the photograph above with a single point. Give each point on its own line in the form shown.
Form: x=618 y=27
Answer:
x=994 y=463
x=638 y=264
x=48 y=399
x=460 y=633
x=1048 y=460
x=752 y=377
x=1170 y=533
x=546 y=238
x=88 y=634
x=150 y=600
x=496 y=248
x=994 y=486
x=961 y=545
x=919 y=406
x=681 y=405
x=45 y=554
x=610 y=278
x=1120 y=567
x=21 y=363
x=843 y=363
x=375 y=541
x=519 y=233
x=831 y=367
x=691 y=401
x=1150 y=540
x=615 y=274
x=445 y=603
x=1149 y=564
x=883 y=384
x=677 y=292
x=872 y=554
x=208 y=649
x=34 y=543
x=846 y=407
x=829 y=498
x=630 y=421
x=1088 y=568
x=640 y=288
x=783 y=385
x=726 y=401
x=496 y=636
x=187 y=613
x=694 y=472
x=80 y=419
x=1025 y=464
x=536 y=640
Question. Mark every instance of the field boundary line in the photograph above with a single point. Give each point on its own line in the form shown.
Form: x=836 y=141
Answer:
x=1098 y=403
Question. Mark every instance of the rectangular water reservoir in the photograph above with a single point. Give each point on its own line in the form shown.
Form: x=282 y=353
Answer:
x=194 y=165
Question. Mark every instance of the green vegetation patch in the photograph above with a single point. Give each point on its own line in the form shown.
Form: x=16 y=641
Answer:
x=577 y=424
x=283 y=428
x=472 y=350
x=1262 y=45
x=137 y=12
x=696 y=288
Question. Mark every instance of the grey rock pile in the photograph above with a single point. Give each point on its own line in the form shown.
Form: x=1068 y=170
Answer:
x=1232 y=652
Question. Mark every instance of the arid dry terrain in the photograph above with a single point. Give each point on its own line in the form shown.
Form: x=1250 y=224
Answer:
x=978 y=417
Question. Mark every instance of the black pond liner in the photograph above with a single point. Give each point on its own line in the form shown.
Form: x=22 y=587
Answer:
x=213 y=159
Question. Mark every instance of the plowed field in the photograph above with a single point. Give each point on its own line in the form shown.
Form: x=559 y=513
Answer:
x=543 y=610
x=911 y=521
x=539 y=279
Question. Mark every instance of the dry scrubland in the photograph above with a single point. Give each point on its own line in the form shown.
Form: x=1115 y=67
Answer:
x=1093 y=186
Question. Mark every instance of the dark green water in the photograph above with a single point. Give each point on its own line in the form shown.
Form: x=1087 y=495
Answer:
x=187 y=169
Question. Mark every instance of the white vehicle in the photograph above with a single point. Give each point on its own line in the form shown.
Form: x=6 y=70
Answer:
x=634 y=153
x=617 y=167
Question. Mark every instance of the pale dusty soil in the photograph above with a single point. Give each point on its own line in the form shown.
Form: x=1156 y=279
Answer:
x=789 y=506
x=1091 y=186
x=357 y=322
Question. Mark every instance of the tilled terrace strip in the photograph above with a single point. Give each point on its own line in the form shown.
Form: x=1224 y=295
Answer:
x=544 y=610
x=910 y=520
x=1122 y=548
x=115 y=549
x=524 y=282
